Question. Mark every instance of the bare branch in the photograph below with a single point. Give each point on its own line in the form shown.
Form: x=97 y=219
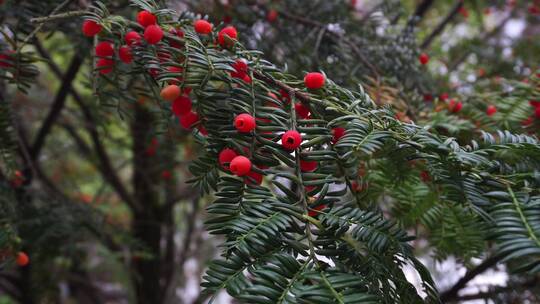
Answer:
x=56 y=17
x=440 y=27
x=419 y=13
x=452 y=293
x=57 y=105
x=106 y=168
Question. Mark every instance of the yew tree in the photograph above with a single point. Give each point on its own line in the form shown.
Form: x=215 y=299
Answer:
x=327 y=177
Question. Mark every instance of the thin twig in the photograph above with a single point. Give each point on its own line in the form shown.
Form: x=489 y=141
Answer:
x=38 y=28
x=368 y=14
x=336 y=36
x=499 y=290
x=419 y=12
x=106 y=168
x=440 y=27
x=485 y=37
x=57 y=106
x=452 y=293
x=56 y=17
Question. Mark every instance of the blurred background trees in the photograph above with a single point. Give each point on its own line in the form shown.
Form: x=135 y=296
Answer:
x=93 y=188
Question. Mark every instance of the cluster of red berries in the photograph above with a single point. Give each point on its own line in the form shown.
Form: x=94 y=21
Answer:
x=229 y=159
x=455 y=106
x=239 y=165
x=241 y=70
x=153 y=34
x=226 y=36
x=452 y=105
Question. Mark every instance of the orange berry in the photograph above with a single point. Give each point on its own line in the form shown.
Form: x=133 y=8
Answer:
x=170 y=92
x=22 y=259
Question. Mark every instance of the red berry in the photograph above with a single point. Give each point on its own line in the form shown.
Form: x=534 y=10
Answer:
x=454 y=106
x=91 y=28
x=202 y=130
x=425 y=177
x=17 y=180
x=240 y=65
x=301 y=110
x=145 y=18
x=164 y=56
x=202 y=27
x=124 y=52
x=423 y=58
x=181 y=106
x=226 y=156
x=338 y=133
x=240 y=165
x=491 y=109
x=355 y=187
x=166 y=174
x=285 y=95
x=246 y=78
x=105 y=65
x=527 y=121
x=175 y=69
x=244 y=123
x=313 y=212
x=22 y=259
x=309 y=188
x=537 y=112
x=153 y=71
x=230 y=32
x=104 y=49
x=5 y=60
x=254 y=176
x=443 y=96
x=132 y=38
x=227 y=19
x=150 y=151
x=188 y=120
x=178 y=33
x=308 y=166
x=314 y=80
x=534 y=9
x=272 y=15
x=464 y=12
x=428 y=97
x=272 y=103
x=534 y=103
x=291 y=140
x=153 y=34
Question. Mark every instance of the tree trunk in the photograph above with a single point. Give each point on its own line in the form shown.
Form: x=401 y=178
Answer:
x=146 y=223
